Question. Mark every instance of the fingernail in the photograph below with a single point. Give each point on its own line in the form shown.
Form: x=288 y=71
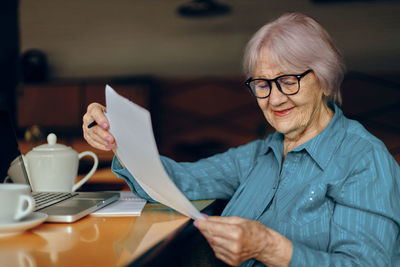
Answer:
x=109 y=146
x=108 y=138
x=205 y=215
x=104 y=125
x=195 y=224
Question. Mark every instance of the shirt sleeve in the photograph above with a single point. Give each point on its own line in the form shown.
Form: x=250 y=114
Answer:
x=364 y=227
x=123 y=173
x=217 y=176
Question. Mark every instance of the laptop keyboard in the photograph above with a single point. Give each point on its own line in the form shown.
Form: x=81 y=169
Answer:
x=45 y=199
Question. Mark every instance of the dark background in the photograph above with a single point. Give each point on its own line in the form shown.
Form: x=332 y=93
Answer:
x=188 y=69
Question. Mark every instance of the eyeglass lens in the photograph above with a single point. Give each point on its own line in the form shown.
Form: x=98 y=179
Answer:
x=288 y=84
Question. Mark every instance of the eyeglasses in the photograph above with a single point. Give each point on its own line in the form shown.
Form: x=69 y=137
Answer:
x=288 y=84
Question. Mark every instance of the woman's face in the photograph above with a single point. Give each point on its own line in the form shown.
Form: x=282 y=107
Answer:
x=299 y=117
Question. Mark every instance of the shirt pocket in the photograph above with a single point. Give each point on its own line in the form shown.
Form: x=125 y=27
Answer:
x=310 y=204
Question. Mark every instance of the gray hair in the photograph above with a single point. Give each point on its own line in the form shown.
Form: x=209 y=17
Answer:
x=297 y=42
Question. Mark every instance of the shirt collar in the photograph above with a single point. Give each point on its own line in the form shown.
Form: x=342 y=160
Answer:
x=274 y=142
x=321 y=147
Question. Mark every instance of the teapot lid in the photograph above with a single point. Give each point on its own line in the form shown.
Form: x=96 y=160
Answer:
x=51 y=144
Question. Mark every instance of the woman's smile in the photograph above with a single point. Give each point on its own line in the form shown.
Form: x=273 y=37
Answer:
x=283 y=112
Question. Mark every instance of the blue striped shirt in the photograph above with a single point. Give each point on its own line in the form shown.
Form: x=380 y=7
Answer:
x=336 y=197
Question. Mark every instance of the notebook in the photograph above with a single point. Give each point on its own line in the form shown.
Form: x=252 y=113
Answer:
x=68 y=207
x=128 y=204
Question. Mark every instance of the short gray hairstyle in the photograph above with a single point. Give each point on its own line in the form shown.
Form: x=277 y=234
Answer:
x=296 y=42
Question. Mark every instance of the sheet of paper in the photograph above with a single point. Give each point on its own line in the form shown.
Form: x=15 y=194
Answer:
x=131 y=127
x=128 y=204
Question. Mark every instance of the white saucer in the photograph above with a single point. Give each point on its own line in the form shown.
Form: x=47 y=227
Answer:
x=31 y=221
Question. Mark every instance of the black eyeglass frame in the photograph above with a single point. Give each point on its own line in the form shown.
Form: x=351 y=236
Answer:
x=275 y=80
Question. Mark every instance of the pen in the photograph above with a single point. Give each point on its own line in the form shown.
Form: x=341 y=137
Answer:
x=92 y=124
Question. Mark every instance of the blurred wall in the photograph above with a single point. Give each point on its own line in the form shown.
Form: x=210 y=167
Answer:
x=101 y=38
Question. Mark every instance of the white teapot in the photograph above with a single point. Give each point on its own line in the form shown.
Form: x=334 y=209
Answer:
x=54 y=167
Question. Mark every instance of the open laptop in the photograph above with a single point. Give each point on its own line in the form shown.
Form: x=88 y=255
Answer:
x=66 y=207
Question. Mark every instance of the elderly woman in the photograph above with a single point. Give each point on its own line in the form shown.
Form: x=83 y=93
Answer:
x=319 y=191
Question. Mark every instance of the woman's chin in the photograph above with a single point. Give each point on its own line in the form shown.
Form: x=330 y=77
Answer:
x=283 y=128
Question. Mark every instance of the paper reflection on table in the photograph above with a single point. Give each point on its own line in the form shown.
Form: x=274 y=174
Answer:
x=152 y=231
x=131 y=127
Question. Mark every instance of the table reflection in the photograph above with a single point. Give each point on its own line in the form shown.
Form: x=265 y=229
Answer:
x=92 y=241
x=153 y=228
x=16 y=258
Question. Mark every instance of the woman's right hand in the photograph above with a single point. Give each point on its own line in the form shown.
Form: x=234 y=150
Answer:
x=97 y=136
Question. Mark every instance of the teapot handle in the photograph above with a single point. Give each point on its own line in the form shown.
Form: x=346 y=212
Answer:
x=91 y=172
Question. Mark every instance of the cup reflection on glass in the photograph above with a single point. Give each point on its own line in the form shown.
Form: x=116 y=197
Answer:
x=16 y=258
x=61 y=238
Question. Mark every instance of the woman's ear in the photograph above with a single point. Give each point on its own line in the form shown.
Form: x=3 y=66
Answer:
x=326 y=92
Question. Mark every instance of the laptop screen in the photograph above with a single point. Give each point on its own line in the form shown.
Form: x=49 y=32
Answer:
x=10 y=152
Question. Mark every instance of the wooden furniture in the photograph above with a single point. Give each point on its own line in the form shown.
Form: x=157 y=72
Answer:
x=99 y=241
x=60 y=104
x=103 y=180
x=195 y=117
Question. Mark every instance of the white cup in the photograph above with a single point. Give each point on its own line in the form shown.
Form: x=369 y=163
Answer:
x=16 y=202
x=15 y=172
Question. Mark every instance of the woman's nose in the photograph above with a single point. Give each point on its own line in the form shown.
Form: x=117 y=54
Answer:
x=276 y=97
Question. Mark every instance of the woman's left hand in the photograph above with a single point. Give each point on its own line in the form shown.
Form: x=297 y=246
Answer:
x=235 y=240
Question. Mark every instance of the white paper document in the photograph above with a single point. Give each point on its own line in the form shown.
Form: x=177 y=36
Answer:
x=131 y=127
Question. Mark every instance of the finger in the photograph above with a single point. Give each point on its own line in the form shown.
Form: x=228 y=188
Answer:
x=221 y=252
x=95 y=112
x=92 y=134
x=227 y=245
x=215 y=244
x=99 y=138
x=96 y=144
x=101 y=135
x=227 y=257
x=96 y=132
x=101 y=146
x=230 y=220
x=226 y=242
x=221 y=229
x=232 y=252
